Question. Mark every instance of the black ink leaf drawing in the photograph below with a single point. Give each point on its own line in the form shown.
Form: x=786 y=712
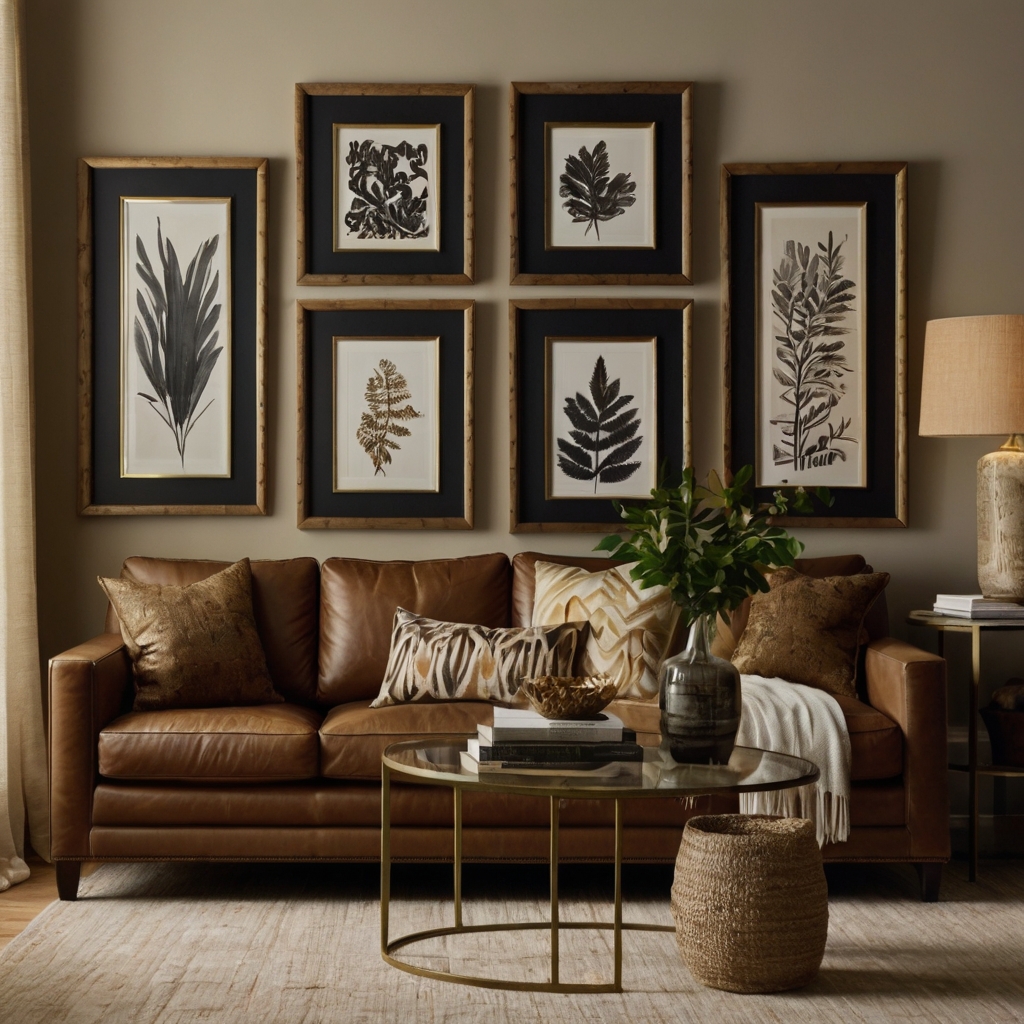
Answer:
x=604 y=432
x=175 y=339
x=810 y=300
x=386 y=204
x=385 y=392
x=590 y=196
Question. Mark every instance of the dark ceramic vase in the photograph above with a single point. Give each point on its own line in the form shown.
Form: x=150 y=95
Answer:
x=699 y=696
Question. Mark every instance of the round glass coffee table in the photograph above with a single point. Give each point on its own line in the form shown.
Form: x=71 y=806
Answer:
x=435 y=761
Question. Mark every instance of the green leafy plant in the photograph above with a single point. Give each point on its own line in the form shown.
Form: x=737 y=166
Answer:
x=175 y=338
x=810 y=299
x=601 y=426
x=590 y=196
x=385 y=392
x=710 y=546
x=386 y=205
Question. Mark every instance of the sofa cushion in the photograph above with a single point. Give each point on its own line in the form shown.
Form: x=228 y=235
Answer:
x=267 y=743
x=194 y=646
x=876 y=742
x=354 y=735
x=358 y=600
x=285 y=604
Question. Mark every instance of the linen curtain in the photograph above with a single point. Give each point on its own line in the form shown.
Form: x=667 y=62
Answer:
x=23 y=783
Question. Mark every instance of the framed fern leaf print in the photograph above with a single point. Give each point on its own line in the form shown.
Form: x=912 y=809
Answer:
x=600 y=403
x=814 y=259
x=384 y=183
x=172 y=279
x=385 y=414
x=600 y=182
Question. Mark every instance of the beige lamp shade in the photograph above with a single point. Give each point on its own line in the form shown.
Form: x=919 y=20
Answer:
x=973 y=380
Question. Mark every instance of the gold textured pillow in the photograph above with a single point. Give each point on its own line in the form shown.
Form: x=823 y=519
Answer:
x=433 y=660
x=194 y=646
x=630 y=628
x=809 y=630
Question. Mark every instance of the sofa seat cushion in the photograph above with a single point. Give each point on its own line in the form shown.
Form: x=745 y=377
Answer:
x=354 y=735
x=265 y=743
x=876 y=742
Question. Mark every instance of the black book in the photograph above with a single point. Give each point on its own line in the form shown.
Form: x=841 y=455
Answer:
x=597 y=752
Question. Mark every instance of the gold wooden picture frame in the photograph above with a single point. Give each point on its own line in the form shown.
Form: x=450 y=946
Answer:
x=533 y=324
x=116 y=332
x=322 y=257
x=537 y=107
x=320 y=325
x=882 y=499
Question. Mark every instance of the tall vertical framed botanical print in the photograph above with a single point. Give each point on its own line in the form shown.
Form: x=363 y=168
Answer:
x=384 y=183
x=814 y=321
x=600 y=404
x=600 y=182
x=385 y=414
x=172 y=307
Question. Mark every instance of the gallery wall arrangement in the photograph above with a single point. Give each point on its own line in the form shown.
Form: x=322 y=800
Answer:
x=172 y=314
x=172 y=304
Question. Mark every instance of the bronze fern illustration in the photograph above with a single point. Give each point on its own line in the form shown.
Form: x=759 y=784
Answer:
x=385 y=392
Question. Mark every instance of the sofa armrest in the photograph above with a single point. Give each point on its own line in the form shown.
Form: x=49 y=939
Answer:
x=909 y=685
x=87 y=686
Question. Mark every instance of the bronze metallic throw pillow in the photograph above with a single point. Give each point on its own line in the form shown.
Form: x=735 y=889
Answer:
x=193 y=646
x=433 y=660
x=809 y=630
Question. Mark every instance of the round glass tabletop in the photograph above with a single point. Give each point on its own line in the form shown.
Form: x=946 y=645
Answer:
x=437 y=759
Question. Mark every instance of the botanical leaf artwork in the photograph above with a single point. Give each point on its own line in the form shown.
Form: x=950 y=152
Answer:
x=604 y=434
x=810 y=300
x=175 y=336
x=388 y=202
x=385 y=392
x=590 y=197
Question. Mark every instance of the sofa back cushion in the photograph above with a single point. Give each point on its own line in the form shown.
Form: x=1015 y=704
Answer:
x=358 y=600
x=285 y=599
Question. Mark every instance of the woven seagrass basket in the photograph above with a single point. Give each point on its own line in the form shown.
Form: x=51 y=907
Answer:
x=750 y=902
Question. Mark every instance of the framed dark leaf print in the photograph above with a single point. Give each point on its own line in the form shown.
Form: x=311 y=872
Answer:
x=814 y=257
x=385 y=414
x=600 y=403
x=600 y=183
x=384 y=183
x=172 y=279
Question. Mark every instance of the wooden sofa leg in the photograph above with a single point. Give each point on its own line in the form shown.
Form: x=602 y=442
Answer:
x=68 y=874
x=931 y=878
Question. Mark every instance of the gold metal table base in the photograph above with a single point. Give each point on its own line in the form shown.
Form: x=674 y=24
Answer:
x=616 y=926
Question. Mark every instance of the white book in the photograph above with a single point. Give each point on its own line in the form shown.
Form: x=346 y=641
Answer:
x=522 y=725
x=1017 y=612
x=974 y=602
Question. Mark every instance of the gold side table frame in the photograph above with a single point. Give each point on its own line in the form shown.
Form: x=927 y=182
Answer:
x=389 y=946
x=944 y=624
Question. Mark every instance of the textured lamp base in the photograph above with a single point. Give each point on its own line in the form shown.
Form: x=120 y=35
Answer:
x=1001 y=521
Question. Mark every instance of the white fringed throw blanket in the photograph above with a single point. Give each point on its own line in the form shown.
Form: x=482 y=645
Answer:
x=800 y=720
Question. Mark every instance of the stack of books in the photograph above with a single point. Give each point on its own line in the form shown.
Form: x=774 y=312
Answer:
x=524 y=743
x=974 y=606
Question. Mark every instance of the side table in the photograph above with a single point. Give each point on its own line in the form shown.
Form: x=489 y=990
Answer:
x=951 y=624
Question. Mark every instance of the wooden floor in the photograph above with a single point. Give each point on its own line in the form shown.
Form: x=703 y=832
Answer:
x=20 y=903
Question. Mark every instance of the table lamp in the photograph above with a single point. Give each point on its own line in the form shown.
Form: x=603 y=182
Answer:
x=973 y=383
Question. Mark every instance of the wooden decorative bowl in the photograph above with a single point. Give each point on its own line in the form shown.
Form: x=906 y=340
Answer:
x=569 y=696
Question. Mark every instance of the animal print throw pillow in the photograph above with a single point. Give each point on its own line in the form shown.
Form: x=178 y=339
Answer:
x=433 y=660
x=630 y=628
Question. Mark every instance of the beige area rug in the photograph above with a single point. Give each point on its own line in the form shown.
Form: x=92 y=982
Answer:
x=299 y=945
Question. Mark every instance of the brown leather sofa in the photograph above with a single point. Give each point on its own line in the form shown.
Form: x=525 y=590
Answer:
x=300 y=781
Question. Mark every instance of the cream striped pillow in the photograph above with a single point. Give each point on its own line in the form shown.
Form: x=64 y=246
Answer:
x=629 y=628
x=432 y=660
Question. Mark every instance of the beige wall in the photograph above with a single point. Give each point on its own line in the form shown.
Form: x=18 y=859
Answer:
x=940 y=84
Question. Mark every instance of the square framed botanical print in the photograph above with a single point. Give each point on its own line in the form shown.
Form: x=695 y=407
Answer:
x=172 y=281
x=814 y=259
x=385 y=414
x=600 y=405
x=384 y=183
x=600 y=182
